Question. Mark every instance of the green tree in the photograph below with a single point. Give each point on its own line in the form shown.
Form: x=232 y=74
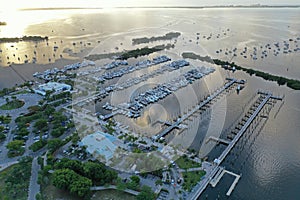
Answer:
x=62 y=178
x=54 y=144
x=81 y=186
x=135 y=179
x=37 y=145
x=94 y=171
x=49 y=110
x=58 y=131
x=15 y=145
x=40 y=124
x=1 y=128
x=69 y=180
x=66 y=163
x=110 y=176
x=23 y=131
x=146 y=194
x=2 y=137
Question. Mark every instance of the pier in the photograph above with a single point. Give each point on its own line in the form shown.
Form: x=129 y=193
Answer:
x=198 y=107
x=237 y=178
x=215 y=175
x=220 y=173
x=243 y=129
x=218 y=140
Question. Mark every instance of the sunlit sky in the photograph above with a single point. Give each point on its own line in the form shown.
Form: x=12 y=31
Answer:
x=16 y=4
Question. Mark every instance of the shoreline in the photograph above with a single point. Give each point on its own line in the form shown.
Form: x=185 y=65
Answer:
x=10 y=76
x=291 y=83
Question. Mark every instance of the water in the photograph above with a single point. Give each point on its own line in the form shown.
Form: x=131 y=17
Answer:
x=270 y=162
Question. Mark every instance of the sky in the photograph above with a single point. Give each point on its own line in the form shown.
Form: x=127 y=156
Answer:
x=17 y=4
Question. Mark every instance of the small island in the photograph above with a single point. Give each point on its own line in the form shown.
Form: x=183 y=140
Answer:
x=3 y=23
x=291 y=83
x=24 y=38
x=131 y=53
x=168 y=36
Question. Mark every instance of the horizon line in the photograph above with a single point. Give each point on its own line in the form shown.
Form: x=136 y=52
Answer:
x=182 y=7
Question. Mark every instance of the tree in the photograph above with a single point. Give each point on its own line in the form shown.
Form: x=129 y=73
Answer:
x=1 y=128
x=37 y=145
x=66 y=163
x=94 y=171
x=49 y=110
x=110 y=176
x=81 y=186
x=2 y=137
x=63 y=178
x=15 y=145
x=54 y=144
x=23 y=131
x=135 y=179
x=57 y=132
x=146 y=194
x=40 y=124
x=69 y=180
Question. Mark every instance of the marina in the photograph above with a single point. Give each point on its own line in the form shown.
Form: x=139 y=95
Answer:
x=151 y=106
x=161 y=91
x=198 y=107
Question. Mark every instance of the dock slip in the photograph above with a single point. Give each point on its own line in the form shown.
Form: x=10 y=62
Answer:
x=199 y=106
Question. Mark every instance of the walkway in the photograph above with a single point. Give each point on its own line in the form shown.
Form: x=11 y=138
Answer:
x=113 y=187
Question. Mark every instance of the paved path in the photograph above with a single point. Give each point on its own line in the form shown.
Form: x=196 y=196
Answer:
x=191 y=169
x=6 y=165
x=34 y=187
x=97 y=188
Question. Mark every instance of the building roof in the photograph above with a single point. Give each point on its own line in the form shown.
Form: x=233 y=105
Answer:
x=101 y=143
x=54 y=86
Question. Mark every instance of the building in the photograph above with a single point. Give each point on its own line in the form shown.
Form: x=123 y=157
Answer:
x=100 y=143
x=52 y=86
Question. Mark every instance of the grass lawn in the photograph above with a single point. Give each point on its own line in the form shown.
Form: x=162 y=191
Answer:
x=185 y=163
x=50 y=192
x=11 y=105
x=112 y=194
x=191 y=179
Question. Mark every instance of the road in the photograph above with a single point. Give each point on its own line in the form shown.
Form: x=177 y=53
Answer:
x=34 y=187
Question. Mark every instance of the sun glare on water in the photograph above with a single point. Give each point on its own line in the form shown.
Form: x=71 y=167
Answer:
x=16 y=13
